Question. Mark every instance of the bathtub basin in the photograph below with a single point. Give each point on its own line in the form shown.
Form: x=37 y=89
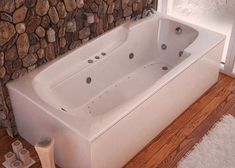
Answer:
x=107 y=99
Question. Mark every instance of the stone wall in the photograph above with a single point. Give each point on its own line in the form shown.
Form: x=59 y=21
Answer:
x=33 y=32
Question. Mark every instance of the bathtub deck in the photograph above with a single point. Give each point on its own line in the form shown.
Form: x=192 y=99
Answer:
x=176 y=140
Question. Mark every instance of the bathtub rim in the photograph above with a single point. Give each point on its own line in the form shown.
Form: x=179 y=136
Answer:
x=65 y=119
x=42 y=75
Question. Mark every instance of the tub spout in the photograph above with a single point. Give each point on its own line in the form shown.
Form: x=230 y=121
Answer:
x=146 y=12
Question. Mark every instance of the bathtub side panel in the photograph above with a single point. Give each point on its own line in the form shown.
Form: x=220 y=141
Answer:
x=121 y=142
x=33 y=124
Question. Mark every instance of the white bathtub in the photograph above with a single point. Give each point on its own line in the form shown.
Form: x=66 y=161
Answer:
x=102 y=113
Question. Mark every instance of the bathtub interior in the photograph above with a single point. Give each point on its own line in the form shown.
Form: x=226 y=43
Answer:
x=112 y=78
x=176 y=37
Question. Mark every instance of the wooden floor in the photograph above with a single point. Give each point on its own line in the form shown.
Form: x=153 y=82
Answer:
x=176 y=140
x=5 y=146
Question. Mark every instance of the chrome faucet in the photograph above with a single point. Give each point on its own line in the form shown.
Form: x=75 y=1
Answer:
x=146 y=12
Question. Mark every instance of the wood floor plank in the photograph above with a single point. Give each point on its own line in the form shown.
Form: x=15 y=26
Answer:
x=156 y=145
x=231 y=111
x=196 y=135
x=5 y=146
x=169 y=147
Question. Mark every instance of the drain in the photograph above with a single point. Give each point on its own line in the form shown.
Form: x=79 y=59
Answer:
x=164 y=46
x=88 y=80
x=165 y=68
x=90 y=61
x=131 y=55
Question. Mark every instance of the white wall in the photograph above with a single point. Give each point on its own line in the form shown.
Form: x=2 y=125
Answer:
x=195 y=7
x=217 y=15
